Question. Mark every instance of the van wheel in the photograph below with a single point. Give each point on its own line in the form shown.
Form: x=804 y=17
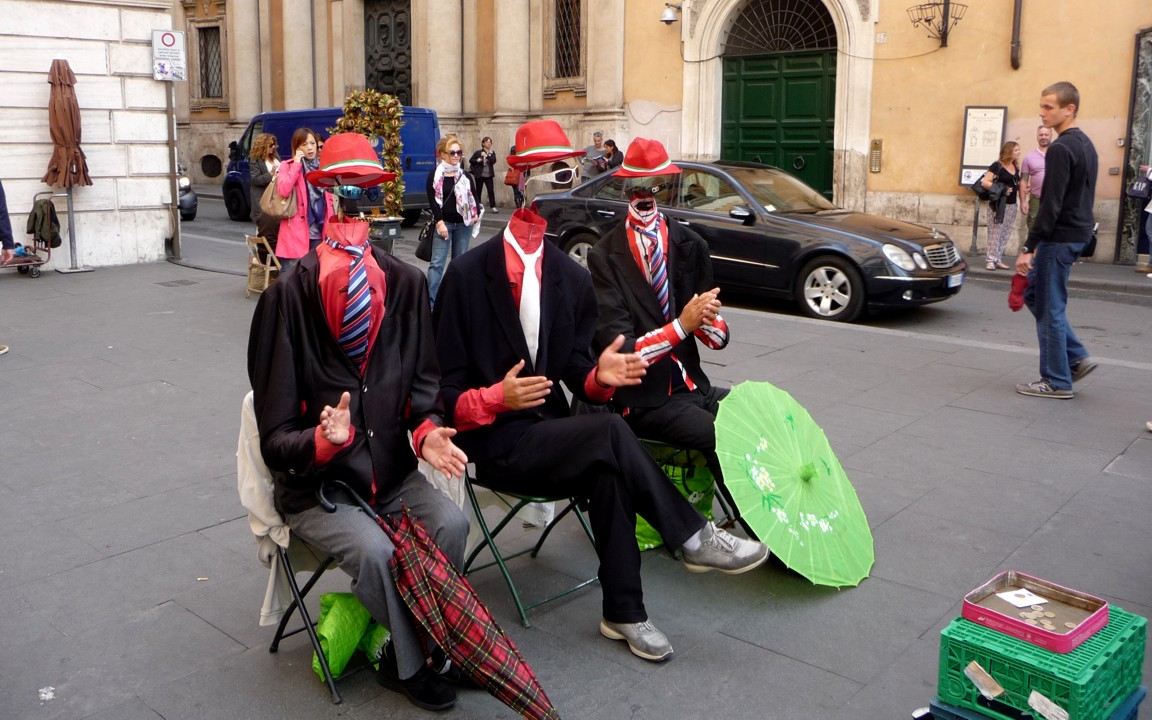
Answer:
x=410 y=217
x=830 y=288
x=578 y=247
x=236 y=204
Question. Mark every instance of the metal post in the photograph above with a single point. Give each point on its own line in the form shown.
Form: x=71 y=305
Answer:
x=72 y=240
x=975 y=229
x=173 y=172
x=944 y=25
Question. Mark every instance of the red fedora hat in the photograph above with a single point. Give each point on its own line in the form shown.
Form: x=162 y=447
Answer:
x=646 y=158
x=539 y=142
x=348 y=159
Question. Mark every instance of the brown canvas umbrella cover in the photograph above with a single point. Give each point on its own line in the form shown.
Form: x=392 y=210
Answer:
x=68 y=167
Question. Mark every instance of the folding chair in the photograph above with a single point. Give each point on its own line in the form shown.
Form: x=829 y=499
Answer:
x=515 y=502
x=263 y=265
x=278 y=549
x=689 y=461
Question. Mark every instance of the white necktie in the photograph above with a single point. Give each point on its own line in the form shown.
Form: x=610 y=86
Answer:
x=529 y=298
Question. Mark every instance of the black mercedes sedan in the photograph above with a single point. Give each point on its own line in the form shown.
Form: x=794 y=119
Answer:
x=772 y=235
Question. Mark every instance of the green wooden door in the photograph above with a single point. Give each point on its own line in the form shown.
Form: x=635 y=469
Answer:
x=778 y=109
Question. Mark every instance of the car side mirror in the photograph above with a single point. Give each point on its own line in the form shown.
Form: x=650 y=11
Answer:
x=233 y=151
x=742 y=214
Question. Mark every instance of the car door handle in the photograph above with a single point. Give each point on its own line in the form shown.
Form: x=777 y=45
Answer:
x=683 y=222
x=606 y=213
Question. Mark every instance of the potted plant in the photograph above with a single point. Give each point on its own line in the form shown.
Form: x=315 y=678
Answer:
x=377 y=115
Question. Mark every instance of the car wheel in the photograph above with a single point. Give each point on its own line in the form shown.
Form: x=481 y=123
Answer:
x=830 y=288
x=410 y=217
x=188 y=216
x=236 y=204
x=578 y=246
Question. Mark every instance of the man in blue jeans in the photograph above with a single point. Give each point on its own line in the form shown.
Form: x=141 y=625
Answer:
x=1062 y=229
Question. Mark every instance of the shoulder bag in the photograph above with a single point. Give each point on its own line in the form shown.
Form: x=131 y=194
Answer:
x=275 y=205
x=512 y=177
x=424 y=246
x=1140 y=189
x=983 y=193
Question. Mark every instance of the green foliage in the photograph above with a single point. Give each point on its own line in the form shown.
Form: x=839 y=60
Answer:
x=376 y=114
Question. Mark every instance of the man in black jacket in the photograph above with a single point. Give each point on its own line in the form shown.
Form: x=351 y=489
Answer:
x=1062 y=229
x=675 y=403
x=515 y=318
x=343 y=366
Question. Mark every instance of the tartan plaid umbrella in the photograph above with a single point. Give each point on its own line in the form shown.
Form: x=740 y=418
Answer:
x=452 y=616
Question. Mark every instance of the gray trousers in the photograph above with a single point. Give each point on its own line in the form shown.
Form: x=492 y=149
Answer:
x=362 y=549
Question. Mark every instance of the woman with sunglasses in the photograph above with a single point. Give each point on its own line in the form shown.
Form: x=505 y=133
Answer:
x=304 y=230
x=452 y=197
x=263 y=162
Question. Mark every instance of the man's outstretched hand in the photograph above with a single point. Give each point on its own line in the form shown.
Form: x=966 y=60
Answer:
x=617 y=369
x=335 y=421
x=442 y=453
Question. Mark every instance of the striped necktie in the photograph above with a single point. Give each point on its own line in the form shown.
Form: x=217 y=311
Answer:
x=357 y=313
x=657 y=269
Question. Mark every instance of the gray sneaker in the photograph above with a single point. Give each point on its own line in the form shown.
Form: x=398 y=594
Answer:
x=1042 y=389
x=1081 y=369
x=644 y=640
x=720 y=550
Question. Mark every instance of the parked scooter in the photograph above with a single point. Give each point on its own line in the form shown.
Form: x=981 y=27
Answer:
x=188 y=200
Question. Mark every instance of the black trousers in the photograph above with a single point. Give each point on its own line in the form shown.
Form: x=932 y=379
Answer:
x=486 y=182
x=597 y=458
x=687 y=420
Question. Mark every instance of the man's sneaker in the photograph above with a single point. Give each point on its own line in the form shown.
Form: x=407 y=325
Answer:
x=644 y=640
x=3 y=349
x=425 y=689
x=1081 y=369
x=1041 y=388
x=720 y=550
x=1148 y=425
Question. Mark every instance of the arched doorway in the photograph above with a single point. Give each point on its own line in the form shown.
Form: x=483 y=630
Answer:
x=779 y=88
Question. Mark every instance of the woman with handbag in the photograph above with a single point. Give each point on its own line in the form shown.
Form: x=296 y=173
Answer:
x=482 y=166
x=452 y=198
x=304 y=230
x=1147 y=170
x=1002 y=207
x=263 y=163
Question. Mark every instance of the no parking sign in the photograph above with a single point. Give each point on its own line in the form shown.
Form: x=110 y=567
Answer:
x=169 y=58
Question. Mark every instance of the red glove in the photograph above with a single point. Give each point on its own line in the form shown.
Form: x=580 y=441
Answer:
x=1016 y=296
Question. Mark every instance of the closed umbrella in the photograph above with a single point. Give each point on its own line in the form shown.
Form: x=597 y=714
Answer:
x=451 y=615
x=68 y=166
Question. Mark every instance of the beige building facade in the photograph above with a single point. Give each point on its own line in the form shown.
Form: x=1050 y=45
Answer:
x=846 y=93
x=125 y=216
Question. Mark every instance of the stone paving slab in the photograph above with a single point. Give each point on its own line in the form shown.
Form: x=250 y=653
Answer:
x=120 y=413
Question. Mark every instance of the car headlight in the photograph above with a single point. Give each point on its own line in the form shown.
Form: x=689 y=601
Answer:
x=899 y=257
x=184 y=182
x=920 y=261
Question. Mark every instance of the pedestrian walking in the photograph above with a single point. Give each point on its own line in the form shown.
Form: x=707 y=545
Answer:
x=7 y=241
x=482 y=166
x=1062 y=229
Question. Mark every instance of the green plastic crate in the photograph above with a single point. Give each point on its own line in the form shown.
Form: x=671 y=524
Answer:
x=1090 y=682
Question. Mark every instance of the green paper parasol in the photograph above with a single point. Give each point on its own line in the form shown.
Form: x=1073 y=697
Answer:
x=789 y=486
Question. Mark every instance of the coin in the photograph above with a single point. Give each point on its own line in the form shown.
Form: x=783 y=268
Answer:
x=1030 y=621
x=1049 y=614
x=1070 y=625
x=1037 y=607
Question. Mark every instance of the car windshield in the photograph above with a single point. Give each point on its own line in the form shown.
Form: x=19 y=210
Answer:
x=779 y=192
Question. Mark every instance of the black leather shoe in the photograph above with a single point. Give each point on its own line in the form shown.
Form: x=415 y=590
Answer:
x=425 y=689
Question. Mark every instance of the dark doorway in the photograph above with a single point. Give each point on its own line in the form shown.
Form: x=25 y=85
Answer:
x=388 y=47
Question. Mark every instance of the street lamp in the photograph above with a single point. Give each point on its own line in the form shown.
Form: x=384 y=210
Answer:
x=937 y=18
x=669 y=15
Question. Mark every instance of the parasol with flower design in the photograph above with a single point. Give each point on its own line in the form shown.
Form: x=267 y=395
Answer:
x=789 y=486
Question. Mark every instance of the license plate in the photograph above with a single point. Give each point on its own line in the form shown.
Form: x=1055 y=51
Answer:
x=956 y=280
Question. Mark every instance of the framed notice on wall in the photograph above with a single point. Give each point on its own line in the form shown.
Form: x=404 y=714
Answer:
x=984 y=130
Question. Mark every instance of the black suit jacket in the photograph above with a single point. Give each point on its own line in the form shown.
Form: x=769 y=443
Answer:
x=479 y=338
x=628 y=306
x=296 y=367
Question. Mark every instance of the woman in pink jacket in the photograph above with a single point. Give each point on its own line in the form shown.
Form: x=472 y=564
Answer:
x=304 y=230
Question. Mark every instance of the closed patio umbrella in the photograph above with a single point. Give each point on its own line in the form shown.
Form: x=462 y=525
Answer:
x=68 y=167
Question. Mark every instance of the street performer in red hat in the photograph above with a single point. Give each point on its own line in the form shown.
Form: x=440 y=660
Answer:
x=343 y=366
x=653 y=283
x=515 y=318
